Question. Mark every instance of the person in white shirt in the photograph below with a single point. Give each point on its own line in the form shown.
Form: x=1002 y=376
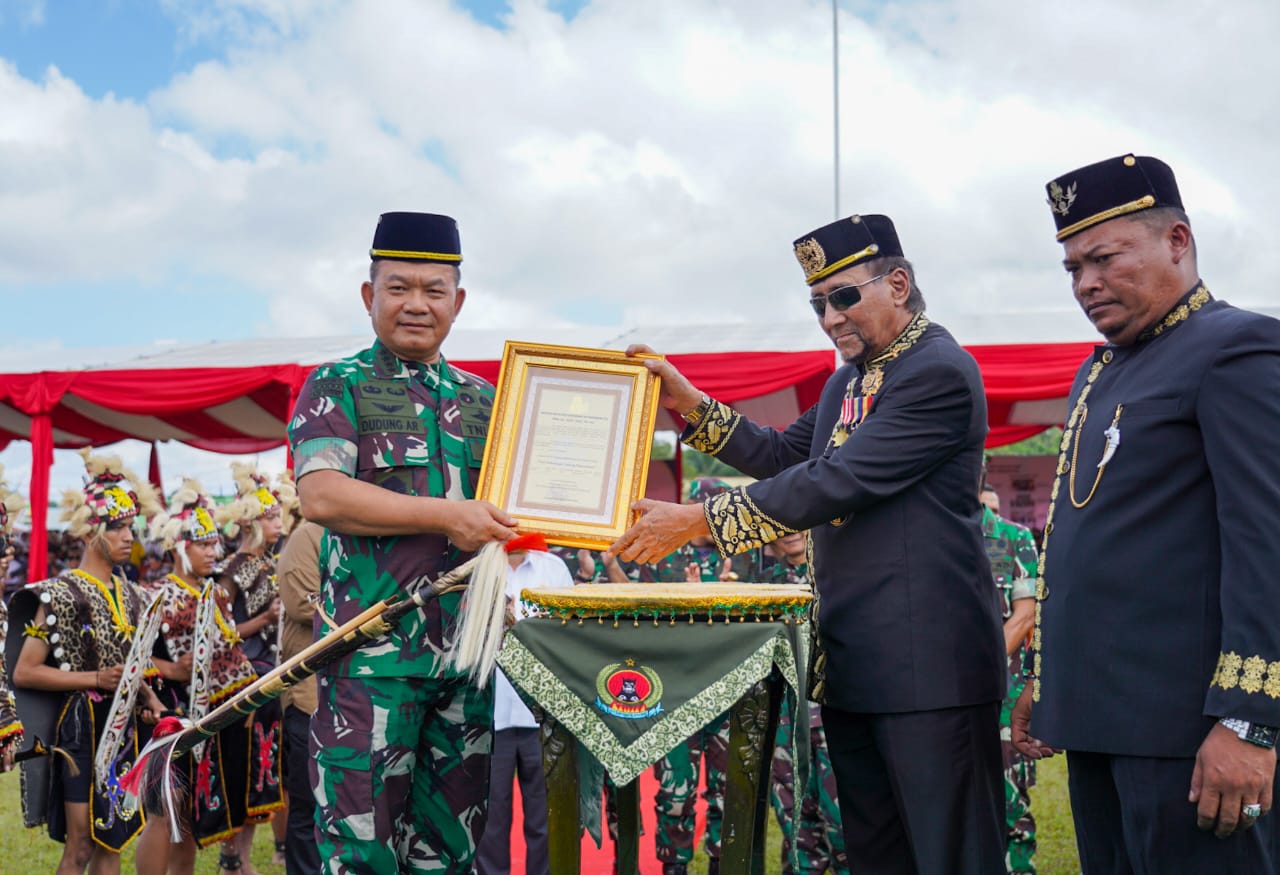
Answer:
x=517 y=750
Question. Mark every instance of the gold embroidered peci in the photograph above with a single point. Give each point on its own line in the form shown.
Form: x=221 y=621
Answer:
x=811 y=256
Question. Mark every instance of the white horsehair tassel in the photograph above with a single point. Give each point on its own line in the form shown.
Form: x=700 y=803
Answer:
x=479 y=636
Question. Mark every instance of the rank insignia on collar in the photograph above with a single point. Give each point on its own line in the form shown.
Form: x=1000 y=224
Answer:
x=1060 y=201
x=811 y=256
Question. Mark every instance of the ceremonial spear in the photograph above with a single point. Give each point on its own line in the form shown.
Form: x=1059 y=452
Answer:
x=480 y=634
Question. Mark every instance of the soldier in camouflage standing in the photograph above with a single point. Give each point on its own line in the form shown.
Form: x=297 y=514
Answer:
x=1012 y=550
x=818 y=836
x=387 y=449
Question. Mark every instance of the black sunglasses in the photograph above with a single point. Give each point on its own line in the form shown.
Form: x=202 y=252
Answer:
x=842 y=298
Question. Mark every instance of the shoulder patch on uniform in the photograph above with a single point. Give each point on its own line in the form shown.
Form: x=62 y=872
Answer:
x=469 y=379
x=327 y=387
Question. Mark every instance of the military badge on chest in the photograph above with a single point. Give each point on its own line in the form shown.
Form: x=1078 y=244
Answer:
x=384 y=407
x=475 y=408
x=855 y=407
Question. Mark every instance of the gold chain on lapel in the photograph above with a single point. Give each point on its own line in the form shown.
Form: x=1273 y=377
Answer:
x=870 y=382
x=1112 y=444
x=1075 y=424
x=904 y=341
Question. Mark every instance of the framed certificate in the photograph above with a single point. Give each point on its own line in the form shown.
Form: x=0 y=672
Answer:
x=569 y=441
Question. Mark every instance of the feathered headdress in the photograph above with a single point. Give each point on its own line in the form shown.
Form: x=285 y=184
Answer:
x=287 y=492
x=189 y=518
x=10 y=504
x=107 y=498
x=254 y=499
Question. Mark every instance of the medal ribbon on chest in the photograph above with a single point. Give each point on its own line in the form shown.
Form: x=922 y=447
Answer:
x=861 y=392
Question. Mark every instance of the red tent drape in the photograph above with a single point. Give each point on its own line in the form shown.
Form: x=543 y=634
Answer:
x=1029 y=371
x=153 y=469
x=144 y=392
x=177 y=390
x=1024 y=372
x=181 y=396
x=36 y=395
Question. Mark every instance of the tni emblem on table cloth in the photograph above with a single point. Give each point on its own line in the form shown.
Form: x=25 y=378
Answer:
x=629 y=691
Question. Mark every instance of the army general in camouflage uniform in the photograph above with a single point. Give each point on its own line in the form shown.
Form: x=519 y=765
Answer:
x=1012 y=551
x=387 y=448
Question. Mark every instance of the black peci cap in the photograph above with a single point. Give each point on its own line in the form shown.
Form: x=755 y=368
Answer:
x=416 y=237
x=1109 y=189
x=844 y=243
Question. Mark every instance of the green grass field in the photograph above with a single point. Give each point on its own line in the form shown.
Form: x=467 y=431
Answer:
x=29 y=851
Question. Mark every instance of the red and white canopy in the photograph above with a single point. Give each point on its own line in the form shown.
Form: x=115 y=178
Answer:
x=236 y=397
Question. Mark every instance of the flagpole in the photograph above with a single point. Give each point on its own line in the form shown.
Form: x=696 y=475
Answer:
x=835 y=100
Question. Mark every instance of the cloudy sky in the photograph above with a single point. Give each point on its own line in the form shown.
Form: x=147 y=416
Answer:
x=199 y=169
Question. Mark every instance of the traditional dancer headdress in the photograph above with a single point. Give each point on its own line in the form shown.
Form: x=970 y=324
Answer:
x=287 y=492
x=114 y=494
x=255 y=499
x=10 y=504
x=189 y=519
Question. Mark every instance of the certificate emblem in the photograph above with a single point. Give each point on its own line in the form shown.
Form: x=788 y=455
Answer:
x=629 y=691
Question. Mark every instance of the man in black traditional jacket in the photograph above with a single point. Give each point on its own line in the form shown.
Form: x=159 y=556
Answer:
x=1156 y=651
x=909 y=658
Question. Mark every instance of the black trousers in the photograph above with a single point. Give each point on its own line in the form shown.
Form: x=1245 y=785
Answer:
x=1133 y=818
x=301 y=854
x=515 y=752
x=920 y=793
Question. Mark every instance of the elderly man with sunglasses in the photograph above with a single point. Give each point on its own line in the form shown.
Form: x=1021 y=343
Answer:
x=909 y=658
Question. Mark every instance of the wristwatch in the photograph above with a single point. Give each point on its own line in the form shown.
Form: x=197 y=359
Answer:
x=1254 y=733
x=694 y=416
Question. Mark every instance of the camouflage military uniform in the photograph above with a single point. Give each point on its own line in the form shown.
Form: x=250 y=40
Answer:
x=1012 y=550
x=818 y=837
x=400 y=744
x=677 y=772
x=672 y=569
x=634 y=571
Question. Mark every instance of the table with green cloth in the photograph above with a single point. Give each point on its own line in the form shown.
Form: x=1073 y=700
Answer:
x=616 y=695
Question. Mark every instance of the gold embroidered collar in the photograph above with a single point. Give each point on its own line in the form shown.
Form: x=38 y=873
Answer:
x=874 y=376
x=1190 y=303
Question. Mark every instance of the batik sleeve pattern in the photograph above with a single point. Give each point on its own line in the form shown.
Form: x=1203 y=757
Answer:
x=713 y=432
x=737 y=524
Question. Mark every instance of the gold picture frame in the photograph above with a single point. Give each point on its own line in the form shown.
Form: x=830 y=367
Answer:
x=569 y=441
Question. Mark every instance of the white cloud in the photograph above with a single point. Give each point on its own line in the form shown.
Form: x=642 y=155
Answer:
x=658 y=157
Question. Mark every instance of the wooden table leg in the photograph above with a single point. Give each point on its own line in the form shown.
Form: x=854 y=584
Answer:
x=560 y=766
x=629 y=828
x=753 y=726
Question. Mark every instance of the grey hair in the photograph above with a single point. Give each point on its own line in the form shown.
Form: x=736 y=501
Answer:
x=890 y=263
